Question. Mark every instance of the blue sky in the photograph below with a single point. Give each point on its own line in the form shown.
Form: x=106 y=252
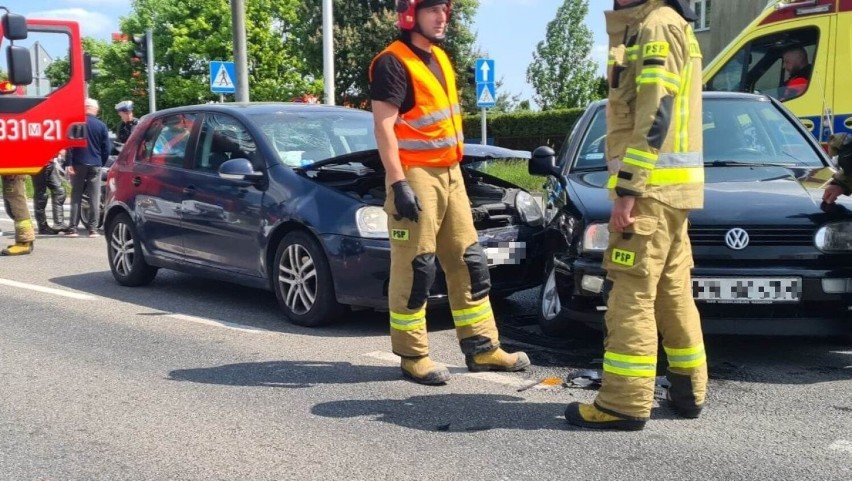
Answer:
x=508 y=30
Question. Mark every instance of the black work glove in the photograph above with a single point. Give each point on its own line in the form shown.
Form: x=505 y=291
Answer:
x=406 y=202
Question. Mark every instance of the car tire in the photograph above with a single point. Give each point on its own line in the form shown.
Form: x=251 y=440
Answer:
x=124 y=252
x=301 y=279
x=551 y=317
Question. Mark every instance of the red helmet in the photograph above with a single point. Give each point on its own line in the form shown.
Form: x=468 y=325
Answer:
x=407 y=11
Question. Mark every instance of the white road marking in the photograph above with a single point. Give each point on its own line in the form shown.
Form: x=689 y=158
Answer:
x=211 y=322
x=841 y=445
x=497 y=378
x=47 y=290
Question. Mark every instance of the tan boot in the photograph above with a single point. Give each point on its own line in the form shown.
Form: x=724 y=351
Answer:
x=589 y=416
x=18 y=249
x=497 y=360
x=422 y=370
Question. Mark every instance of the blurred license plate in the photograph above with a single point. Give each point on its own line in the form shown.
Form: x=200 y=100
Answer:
x=506 y=253
x=740 y=290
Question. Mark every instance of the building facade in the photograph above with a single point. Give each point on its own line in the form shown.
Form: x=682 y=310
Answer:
x=722 y=20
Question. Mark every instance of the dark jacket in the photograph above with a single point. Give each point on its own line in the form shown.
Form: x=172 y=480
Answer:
x=97 y=151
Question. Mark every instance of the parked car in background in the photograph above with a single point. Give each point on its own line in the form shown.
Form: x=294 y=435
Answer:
x=288 y=197
x=769 y=256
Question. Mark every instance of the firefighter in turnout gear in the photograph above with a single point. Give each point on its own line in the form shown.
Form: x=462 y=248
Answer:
x=15 y=200
x=654 y=154
x=841 y=183
x=419 y=133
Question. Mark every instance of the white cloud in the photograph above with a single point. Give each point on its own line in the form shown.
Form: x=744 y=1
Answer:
x=93 y=24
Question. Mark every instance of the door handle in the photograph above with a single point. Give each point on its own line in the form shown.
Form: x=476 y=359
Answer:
x=189 y=190
x=137 y=181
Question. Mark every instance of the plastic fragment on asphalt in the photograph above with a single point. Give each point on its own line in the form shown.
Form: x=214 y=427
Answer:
x=546 y=383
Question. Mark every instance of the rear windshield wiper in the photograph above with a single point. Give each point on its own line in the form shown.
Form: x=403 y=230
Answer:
x=737 y=163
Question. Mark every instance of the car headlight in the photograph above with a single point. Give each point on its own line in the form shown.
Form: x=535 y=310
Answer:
x=528 y=209
x=834 y=237
x=595 y=238
x=372 y=222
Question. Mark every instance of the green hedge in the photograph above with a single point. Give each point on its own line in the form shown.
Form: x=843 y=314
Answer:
x=524 y=130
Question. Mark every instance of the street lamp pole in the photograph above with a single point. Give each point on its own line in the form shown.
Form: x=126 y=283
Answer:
x=238 y=13
x=328 y=50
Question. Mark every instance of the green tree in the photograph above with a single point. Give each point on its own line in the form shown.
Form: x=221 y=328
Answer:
x=188 y=35
x=364 y=28
x=562 y=72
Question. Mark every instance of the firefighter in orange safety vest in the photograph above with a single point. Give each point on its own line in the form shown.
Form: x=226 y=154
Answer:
x=654 y=154
x=417 y=114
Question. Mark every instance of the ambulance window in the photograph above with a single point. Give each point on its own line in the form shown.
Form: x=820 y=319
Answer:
x=730 y=77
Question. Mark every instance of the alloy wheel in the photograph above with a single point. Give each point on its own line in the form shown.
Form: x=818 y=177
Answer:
x=298 y=279
x=550 y=304
x=121 y=244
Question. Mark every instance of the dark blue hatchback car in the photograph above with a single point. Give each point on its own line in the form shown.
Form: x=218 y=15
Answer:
x=288 y=197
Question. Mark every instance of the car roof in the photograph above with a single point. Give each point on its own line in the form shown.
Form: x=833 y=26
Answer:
x=243 y=108
x=710 y=95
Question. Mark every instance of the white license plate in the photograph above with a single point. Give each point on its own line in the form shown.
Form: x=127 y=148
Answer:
x=742 y=290
x=506 y=253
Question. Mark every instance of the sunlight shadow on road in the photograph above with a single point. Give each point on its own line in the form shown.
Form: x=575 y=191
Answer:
x=454 y=413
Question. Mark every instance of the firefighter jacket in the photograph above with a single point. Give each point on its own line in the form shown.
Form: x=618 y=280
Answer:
x=654 y=117
x=430 y=134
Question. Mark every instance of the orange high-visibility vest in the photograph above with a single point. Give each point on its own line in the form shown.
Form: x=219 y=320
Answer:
x=430 y=134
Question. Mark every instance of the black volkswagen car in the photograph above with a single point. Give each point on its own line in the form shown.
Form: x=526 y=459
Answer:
x=769 y=257
x=288 y=197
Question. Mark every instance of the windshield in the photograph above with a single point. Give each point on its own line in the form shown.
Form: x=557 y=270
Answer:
x=735 y=131
x=304 y=137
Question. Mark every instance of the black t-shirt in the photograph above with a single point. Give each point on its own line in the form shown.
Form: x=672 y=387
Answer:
x=125 y=129
x=392 y=83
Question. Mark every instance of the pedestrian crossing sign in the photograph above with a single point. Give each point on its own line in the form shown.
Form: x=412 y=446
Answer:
x=222 y=77
x=485 y=95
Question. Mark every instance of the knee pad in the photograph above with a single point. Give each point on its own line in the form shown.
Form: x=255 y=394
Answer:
x=423 y=267
x=477 y=266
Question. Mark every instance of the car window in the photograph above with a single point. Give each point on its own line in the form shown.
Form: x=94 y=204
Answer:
x=305 y=137
x=224 y=138
x=750 y=131
x=167 y=140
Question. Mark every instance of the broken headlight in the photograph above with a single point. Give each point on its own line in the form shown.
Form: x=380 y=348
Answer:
x=595 y=238
x=528 y=209
x=834 y=238
x=372 y=222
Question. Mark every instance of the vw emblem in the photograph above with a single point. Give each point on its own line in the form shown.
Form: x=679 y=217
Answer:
x=737 y=239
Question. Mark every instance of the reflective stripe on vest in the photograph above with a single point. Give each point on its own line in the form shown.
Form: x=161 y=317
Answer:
x=630 y=366
x=686 y=358
x=670 y=176
x=430 y=134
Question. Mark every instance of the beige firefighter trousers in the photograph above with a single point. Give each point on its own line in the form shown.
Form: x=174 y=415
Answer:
x=444 y=232
x=15 y=198
x=649 y=266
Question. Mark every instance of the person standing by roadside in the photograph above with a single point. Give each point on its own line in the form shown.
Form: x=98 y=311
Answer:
x=49 y=179
x=128 y=122
x=654 y=154
x=83 y=165
x=419 y=134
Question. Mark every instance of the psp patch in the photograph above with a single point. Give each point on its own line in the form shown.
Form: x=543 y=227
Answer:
x=623 y=257
x=399 y=234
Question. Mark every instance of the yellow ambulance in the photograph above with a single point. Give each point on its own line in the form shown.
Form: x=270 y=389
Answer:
x=799 y=52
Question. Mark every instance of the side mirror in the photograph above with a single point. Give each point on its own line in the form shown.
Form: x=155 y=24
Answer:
x=20 y=67
x=543 y=162
x=239 y=169
x=14 y=27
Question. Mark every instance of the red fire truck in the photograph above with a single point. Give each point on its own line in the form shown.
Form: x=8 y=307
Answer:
x=38 y=119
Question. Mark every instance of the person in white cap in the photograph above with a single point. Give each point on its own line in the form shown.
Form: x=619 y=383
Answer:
x=128 y=122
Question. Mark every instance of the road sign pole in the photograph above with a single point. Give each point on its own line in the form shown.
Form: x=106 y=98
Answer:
x=484 y=128
x=152 y=90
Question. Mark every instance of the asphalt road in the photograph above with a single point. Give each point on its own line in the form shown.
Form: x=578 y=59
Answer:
x=194 y=379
